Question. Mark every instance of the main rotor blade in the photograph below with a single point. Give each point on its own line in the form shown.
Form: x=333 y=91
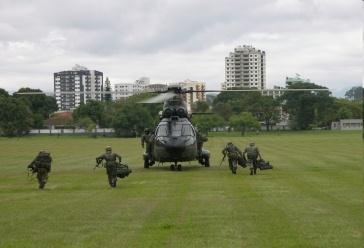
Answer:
x=255 y=90
x=160 y=98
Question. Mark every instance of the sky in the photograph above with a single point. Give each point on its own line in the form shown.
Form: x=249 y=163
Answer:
x=174 y=40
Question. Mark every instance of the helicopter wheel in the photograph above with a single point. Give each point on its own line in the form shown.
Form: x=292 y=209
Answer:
x=179 y=167
x=207 y=162
x=172 y=167
x=146 y=164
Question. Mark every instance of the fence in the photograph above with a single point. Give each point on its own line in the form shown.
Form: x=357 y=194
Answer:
x=99 y=131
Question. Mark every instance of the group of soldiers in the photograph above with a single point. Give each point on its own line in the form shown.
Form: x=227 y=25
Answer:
x=236 y=157
x=42 y=163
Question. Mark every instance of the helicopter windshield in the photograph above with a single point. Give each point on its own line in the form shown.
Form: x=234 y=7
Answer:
x=176 y=130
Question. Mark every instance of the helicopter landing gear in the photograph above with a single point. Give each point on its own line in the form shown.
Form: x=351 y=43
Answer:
x=176 y=166
x=146 y=163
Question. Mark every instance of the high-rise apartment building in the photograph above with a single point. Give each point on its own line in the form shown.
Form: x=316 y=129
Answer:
x=79 y=85
x=245 y=68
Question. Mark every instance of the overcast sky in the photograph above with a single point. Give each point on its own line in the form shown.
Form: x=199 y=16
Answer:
x=174 y=40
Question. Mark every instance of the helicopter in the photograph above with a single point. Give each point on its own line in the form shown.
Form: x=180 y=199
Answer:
x=175 y=139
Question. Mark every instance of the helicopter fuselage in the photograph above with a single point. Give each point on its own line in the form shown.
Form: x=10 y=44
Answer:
x=175 y=141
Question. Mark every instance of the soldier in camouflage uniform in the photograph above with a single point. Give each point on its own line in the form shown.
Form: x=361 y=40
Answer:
x=111 y=164
x=147 y=139
x=252 y=155
x=42 y=166
x=233 y=154
x=200 y=140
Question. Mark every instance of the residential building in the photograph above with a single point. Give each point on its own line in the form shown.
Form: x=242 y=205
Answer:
x=156 y=87
x=123 y=90
x=193 y=97
x=76 y=86
x=276 y=92
x=245 y=68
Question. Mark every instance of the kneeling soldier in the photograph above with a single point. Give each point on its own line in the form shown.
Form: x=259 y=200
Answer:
x=42 y=166
x=252 y=154
x=111 y=165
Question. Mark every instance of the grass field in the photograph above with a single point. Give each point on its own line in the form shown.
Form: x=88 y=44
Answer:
x=312 y=198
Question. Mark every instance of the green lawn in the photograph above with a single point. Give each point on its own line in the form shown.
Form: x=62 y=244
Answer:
x=312 y=198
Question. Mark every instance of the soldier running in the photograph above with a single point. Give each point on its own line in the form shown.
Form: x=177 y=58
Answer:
x=233 y=154
x=42 y=166
x=252 y=155
x=111 y=165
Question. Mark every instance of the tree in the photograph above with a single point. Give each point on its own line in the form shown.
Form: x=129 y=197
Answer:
x=355 y=93
x=92 y=109
x=347 y=109
x=131 y=120
x=87 y=124
x=200 y=106
x=40 y=105
x=239 y=101
x=267 y=110
x=204 y=123
x=3 y=93
x=308 y=109
x=224 y=110
x=244 y=121
x=15 y=117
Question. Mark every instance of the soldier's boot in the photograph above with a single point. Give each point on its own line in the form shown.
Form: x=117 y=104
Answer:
x=251 y=171
x=255 y=170
x=110 y=179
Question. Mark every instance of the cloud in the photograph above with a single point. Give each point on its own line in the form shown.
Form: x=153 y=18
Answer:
x=175 y=40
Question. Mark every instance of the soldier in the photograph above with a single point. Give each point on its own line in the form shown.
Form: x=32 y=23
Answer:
x=233 y=154
x=252 y=155
x=147 y=139
x=42 y=166
x=200 y=140
x=111 y=164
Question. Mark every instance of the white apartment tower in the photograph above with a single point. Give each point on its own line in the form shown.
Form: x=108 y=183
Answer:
x=245 y=68
x=80 y=84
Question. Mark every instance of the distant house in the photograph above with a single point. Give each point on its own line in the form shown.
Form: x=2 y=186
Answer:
x=347 y=125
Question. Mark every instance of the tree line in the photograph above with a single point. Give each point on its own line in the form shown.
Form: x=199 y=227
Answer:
x=20 y=113
x=241 y=111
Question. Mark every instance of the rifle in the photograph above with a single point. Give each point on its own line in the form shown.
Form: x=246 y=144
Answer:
x=222 y=160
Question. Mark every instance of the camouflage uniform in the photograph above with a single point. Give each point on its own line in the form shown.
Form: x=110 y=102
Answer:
x=42 y=166
x=147 y=138
x=252 y=155
x=200 y=140
x=111 y=164
x=233 y=154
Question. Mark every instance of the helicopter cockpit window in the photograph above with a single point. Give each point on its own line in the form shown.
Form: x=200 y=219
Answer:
x=162 y=130
x=182 y=130
x=176 y=130
x=187 y=130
